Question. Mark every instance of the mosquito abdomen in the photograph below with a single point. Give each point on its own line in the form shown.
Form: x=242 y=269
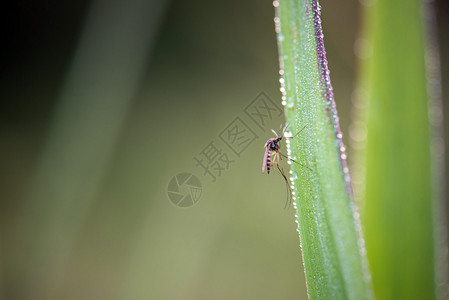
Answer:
x=269 y=162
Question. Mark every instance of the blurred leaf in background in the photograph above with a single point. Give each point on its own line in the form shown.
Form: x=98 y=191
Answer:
x=401 y=163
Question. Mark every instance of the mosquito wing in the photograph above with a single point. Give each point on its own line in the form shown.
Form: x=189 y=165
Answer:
x=266 y=160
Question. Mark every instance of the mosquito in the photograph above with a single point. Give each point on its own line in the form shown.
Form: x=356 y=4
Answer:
x=273 y=155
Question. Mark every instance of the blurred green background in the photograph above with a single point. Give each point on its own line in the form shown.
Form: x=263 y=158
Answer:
x=104 y=102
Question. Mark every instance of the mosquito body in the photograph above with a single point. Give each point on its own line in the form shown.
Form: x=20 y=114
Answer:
x=271 y=146
x=273 y=156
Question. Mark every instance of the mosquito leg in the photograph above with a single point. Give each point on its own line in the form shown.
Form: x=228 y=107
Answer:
x=287 y=203
x=289 y=191
x=304 y=166
x=280 y=170
x=282 y=173
x=280 y=159
x=275 y=156
x=290 y=137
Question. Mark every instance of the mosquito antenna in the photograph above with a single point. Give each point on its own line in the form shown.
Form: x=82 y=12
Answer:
x=285 y=129
x=274 y=132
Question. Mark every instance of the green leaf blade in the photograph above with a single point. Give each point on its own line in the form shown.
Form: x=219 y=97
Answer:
x=327 y=218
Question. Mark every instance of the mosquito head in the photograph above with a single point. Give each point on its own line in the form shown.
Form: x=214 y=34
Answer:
x=274 y=144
